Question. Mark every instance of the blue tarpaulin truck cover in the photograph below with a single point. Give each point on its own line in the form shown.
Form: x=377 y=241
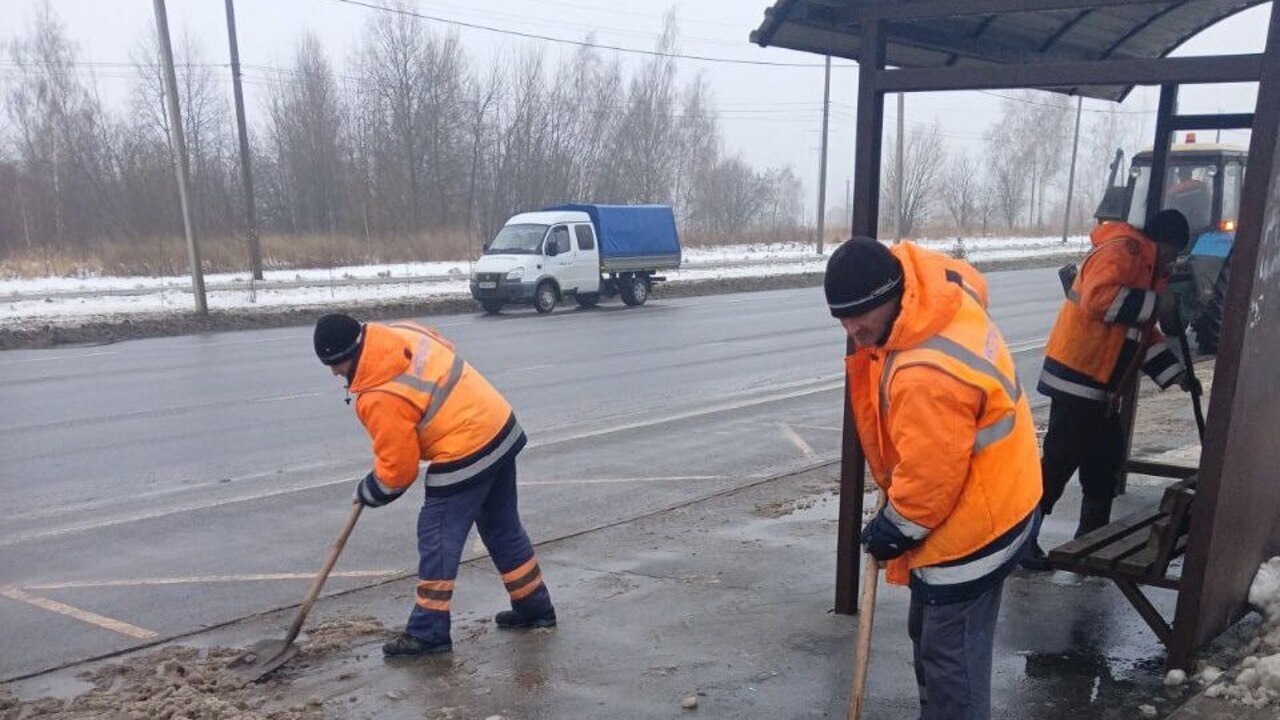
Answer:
x=632 y=232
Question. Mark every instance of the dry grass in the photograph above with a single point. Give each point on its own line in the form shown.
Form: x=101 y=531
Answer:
x=168 y=256
x=753 y=236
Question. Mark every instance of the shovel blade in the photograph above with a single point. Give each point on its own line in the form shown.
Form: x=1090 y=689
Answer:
x=261 y=659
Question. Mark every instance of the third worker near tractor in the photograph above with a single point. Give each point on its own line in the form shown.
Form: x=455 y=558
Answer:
x=422 y=403
x=948 y=435
x=1105 y=331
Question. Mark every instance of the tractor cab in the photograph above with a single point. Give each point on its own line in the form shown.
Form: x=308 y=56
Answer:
x=1203 y=180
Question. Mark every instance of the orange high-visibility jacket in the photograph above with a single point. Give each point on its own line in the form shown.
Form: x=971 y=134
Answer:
x=420 y=403
x=944 y=424
x=1107 y=319
x=968 y=277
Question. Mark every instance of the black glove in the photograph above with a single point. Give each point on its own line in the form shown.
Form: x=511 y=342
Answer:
x=1189 y=383
x=884 y=540
x=371 y=493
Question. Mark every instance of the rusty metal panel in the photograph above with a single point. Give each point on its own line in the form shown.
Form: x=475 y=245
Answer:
x=1236 y=516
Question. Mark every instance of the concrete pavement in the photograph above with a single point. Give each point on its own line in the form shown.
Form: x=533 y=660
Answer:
x=728 y=600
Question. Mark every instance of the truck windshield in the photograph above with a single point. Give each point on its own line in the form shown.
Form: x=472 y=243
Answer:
x=518 y=239
x=1189 y=187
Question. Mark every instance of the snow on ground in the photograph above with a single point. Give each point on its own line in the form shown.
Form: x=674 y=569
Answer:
x=38 y=299
x=1256 y=682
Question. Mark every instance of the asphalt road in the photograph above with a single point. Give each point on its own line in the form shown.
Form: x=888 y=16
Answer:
x=157 y=487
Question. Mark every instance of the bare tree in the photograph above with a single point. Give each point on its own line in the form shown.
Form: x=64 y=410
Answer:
x=644 y=163
x=783 y=197
x=63 y=167
x=404 y=140
x=729 y=199
x=923 y=159
x=306 y=117
x=961 y=190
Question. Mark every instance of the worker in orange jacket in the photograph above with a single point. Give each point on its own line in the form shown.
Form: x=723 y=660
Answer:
x=422 y=403
x=948 y=435
x=1105 y=331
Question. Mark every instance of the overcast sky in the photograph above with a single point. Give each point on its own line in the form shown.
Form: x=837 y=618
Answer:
x=770 y=115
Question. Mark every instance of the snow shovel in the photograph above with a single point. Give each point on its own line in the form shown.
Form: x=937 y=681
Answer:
x=265 y=656
x=866 y=615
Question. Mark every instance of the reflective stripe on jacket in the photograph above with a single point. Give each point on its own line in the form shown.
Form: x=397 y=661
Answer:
x=1107 y=318
x=421 y=402
x=945 y=425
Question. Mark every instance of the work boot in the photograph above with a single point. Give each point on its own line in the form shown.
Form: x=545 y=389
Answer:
x=1035 y=558
x=410 y=646
x=512 y=620
x=1094 y=513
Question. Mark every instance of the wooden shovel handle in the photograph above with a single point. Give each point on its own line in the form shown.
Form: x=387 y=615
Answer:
x=334 y=551
x=866 y=616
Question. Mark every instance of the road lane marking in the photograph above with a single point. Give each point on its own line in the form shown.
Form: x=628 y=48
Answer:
x=806 y=388
x=152 y=412
x=197 y=579
x=294 y=396
x=56 y=358
x=1027 y=345
x=796 y=440
x=529 y=368
x=101 y=621
x=622 y=481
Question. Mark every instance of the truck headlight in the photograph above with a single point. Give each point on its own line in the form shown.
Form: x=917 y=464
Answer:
x=515 y=274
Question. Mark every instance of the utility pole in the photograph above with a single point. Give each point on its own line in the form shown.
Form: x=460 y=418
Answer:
x=179 y=146
x=246 y=175
x=897 y=192
x=1071 y=176
x=822 y=160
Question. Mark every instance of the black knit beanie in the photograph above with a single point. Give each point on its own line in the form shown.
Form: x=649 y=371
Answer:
x=1169 y=227
x=337 y=338
x=861 y=276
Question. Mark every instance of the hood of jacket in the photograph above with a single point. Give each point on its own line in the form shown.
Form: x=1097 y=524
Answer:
x=385 y=355
x=929 y=300
x=1108 y=231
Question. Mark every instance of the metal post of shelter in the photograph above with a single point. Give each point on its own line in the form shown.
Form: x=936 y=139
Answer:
x=866 y=191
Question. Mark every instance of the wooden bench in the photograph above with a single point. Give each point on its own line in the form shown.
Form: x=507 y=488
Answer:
x=1138 y=548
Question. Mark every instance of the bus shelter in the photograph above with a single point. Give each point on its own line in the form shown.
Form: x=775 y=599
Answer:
x=1099 y=49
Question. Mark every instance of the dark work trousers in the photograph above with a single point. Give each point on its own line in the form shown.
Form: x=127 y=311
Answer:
x=1082 y=436
x=443 y=525
x=953 y=645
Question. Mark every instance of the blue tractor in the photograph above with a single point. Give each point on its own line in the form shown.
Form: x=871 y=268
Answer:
x=1204 y=181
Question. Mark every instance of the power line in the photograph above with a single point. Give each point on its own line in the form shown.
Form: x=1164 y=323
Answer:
x=580 y=43
x=1027 y=101
x=568 y=24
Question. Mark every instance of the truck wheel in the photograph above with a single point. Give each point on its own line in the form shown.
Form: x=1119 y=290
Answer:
x=587 y=300
x=493 y=307
x=546 y=297
x=1208 y=324
x=634 y=290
